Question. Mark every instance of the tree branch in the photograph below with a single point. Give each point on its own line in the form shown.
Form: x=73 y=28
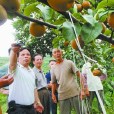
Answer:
x=35 y=20
x=101 y=36
x=65 y=14
x=106 y=38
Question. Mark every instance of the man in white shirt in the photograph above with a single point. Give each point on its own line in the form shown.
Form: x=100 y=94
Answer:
x=22 y=92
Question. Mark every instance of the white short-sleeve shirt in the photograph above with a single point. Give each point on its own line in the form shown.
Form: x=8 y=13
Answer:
x=94 y=82
x=22 y=89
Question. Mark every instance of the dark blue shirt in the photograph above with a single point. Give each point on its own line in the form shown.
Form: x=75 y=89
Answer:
x=48 y=77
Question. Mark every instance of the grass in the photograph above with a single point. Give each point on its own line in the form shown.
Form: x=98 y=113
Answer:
x=3 y=60
x=3 y=98
x=3 y=102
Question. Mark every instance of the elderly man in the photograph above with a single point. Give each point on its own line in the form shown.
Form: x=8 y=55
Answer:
x=41 y=83
x=68 y=89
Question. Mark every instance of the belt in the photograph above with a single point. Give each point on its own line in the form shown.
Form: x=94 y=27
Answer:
x=51 y=90
x=24 y=106
x=44 y=88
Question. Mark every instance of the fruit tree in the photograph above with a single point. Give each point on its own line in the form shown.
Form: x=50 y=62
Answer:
x=65 y=20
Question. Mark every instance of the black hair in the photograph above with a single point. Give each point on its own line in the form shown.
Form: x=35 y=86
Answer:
x=37 y=54
x=23 y=48
x=9 y=50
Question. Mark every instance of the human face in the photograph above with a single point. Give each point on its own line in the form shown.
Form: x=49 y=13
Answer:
x=24 y=57
x=52 y=63
x=57 y=54
x=38 y=60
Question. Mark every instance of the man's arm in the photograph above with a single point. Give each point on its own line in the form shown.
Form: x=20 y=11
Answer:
x=49 y=85
x=37 y=104
x=54 y=87
x=37 y=100
x=13 y=56
x=5 y=81
x=78 y=73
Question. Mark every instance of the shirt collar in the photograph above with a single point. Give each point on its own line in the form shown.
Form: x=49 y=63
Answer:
x=60 y=61
x=20 y=65
x=40 y=71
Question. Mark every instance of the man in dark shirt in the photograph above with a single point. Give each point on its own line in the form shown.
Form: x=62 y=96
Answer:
x=53 y=106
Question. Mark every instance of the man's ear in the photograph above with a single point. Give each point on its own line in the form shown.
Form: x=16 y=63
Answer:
x=52 y=55
x=17 y=59
x=62 y=52
x=33 y=62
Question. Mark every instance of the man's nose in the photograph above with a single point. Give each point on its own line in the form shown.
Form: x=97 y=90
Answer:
x=26 y=56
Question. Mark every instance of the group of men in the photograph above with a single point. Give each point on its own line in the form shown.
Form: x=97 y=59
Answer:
x=29 y=92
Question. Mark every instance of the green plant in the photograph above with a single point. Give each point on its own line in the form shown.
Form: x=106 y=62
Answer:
x=3 y=98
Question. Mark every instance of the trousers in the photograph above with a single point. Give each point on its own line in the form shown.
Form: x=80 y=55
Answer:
x=45 y=100
x=67 y=105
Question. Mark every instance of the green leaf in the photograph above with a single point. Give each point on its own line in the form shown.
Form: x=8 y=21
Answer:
x=31 y=8
x=47 y=12
x=101 y=14
x=22 y=1
x=108 y=50
x=29 y=1
x=78 y=16
x=105 y=3
x=56 y=42
x=90 y=32
x=68 y=31
x=90 y=11
x=110 y=87
x=112 y=83
x=60 y=20
x=90 y=19
x=107 y=102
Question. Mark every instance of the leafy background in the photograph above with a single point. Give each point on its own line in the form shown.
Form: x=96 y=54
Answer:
x=97 y=45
